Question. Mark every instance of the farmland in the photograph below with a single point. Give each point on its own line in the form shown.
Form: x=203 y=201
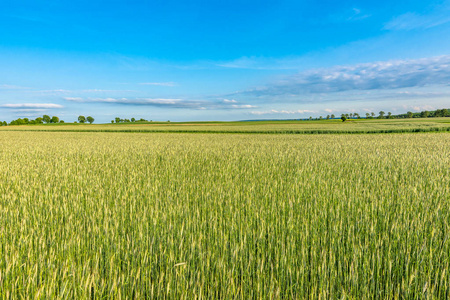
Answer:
x=263 y=127
x=202 y=215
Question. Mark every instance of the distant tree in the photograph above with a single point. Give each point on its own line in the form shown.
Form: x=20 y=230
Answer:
x=381 y=115
x=310 y=118
x=424 y=114
x=142 y=120
x=409 y=114
x=46 y=119
x=61 y=121
x=343 y=118
x=39 y=120
x=112 y=121
x=90 y=119
x=133 y=120
x=367 y=115
x=328 y=117
x=356 y=115
x=117 y=119
x=126 y=121
x=333 y=116
x=389 y=116
x=320 y=118
x=441 y=112
x=372 y=114
x=81 y=119
x=54 y=119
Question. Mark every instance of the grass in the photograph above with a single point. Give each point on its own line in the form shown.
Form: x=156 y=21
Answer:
x=183 y=216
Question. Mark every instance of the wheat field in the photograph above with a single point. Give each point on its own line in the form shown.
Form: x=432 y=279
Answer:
x=238 y=216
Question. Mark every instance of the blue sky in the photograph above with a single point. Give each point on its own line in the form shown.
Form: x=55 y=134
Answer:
x=222 y=60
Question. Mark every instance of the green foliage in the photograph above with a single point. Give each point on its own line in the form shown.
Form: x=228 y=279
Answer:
x=81 y=119
x=343 y=118
x=120 y=120
x=54 y=119
x=90 y=119
x=46 y=118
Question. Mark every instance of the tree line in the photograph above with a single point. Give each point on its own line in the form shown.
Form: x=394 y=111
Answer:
x=45 y=119
x=120 y=120
x=444 y=112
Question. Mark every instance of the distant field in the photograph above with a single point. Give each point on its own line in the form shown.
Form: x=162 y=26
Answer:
x=182 y=216
x=315 y=127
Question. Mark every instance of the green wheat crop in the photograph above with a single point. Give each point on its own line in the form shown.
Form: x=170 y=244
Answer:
x=184 y=216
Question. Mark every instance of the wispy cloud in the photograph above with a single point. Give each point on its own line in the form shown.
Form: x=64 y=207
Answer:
x=263 y=63
x=31 y=105
x=369 y=76
x=63 y=91
x=158 y=83
x=243 y=106
x=164 y=102
x=438 y=16
x=357 y=15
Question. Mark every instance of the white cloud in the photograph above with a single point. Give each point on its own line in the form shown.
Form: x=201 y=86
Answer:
x=229 y=101
x=137 y=101
x=423 y=107
x=31 y=105
x=73 y=99
x=243 y=106
x=368 y=76
x=164 y=102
